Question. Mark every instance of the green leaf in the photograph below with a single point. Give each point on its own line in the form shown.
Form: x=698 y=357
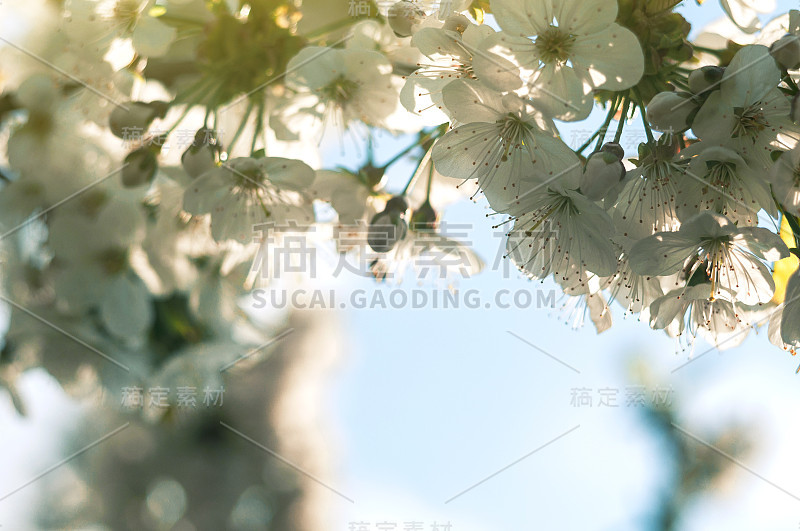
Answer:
x=659 y=6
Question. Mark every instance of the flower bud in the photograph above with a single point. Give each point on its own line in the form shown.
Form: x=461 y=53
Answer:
x=202 y=155
x=8 y=103
x=613 y=148
x=397 y=204
x=457 y=22
x=403 y=16
x=424 y=218
x=669 y=111
x=602 y=173
x=705 y=79
x=140 y=167
x=388 y=227
x=135 y=117
x=38 y=93
x=786 y=52
x=373 y=177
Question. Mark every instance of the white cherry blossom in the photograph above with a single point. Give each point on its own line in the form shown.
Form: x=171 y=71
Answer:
x=505 y=144
x=563 y=50
x=245 y=193
x=732 y=258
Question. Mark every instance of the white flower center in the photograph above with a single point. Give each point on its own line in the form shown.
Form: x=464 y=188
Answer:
x=718 y=259
x=513 y=131
x=720 y=174
x=339 y=91
x=554 y=45
x=749 y=122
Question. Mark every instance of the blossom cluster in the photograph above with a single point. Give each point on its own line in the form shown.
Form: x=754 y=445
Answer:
x=138 y=252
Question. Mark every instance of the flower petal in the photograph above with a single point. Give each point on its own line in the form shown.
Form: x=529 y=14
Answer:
x=611 y=58
x=790 y=321
x=471 y=102
x=151 y=37
x=559 y=92
x=580 y=17
x=662 y=254
x=524 y=18
x=751 y=74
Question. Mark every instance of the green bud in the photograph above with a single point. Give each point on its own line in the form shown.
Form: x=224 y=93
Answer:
x=614 y=149
x=388 y=227
x=457 y=23
x=786 y=52
x=135 y=117
x=373 y=177
x=669 y=111
x=397 y=204
x=424 y=218
x=203 y=154
x=601 y=175
x=141 y=167
x=705 y=79
x=403 y=16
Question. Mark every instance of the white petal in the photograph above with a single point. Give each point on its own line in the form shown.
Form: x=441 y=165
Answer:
x=315 y=67
x=423 y=97
x=288 y=173
x=751 y=74
x=204 y=193
x=611 y=58
x=235 y=218
x=715 y=120
x=471 y=102
x=365 y=66
x=436 y=42
x=559 y=92
x=790 y=321
x=151 y=37
x=741 y=15
x=475 y=34
x=497 y=60
x=599 y=312
x=582 y=17
x=126 y=310
x=763 y=243
x=523 y=18
x=662 y=254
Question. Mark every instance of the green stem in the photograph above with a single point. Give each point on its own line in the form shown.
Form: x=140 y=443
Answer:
x=643 y=110
x=259 y=126
x=623 y=117
x=604 y=128
x=421 y=140
x=333 y=26
x=589 y=141
x=180 y=119
x=193 y=90
x=792 y=85
x=430 y=184
x=242 y=125
x=179 y=20
x=425 y=159
x=712 y=51
x=680 y=83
